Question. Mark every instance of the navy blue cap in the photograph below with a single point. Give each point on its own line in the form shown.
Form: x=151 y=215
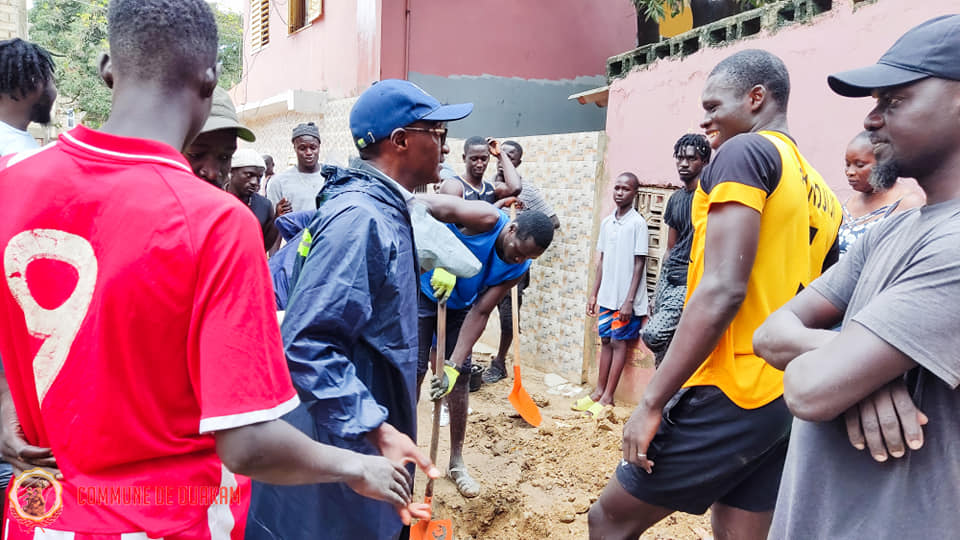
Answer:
x=931 y=49
x=392 y=104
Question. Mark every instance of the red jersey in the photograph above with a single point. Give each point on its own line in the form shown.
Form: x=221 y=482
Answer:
x=136 y=318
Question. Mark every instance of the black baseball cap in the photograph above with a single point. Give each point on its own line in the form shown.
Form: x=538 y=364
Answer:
x=931 y=49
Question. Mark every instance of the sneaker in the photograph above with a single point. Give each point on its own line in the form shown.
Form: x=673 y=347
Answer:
x=493 y=374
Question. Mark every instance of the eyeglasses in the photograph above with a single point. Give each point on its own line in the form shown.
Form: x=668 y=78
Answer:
x=441 y=131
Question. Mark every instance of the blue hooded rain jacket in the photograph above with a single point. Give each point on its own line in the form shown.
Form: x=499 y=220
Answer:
x=350 y=336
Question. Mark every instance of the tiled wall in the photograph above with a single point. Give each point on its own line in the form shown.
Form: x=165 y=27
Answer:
x=273 y=134
x=338 y=145
x=13 y=19
x=564 y=167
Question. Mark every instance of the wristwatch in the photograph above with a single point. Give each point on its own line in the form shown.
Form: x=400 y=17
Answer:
x=459 y=369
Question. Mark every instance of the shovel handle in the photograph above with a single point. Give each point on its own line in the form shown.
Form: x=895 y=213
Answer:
x=516 y=325
x=514 y=300
x=438 y=360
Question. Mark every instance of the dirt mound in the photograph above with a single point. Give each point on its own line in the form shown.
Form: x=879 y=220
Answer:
x=537 y=482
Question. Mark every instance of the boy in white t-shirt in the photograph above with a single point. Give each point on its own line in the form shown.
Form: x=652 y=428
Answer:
x=617 y=290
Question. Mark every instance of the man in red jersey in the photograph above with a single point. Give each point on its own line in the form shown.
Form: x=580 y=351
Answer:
x=137 y=323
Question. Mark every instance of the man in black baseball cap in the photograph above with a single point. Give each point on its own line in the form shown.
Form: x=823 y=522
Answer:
x=928 y=50
x=894 y=293
x=350 y=329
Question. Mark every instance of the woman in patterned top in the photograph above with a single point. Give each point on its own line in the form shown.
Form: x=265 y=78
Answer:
x=874 y=197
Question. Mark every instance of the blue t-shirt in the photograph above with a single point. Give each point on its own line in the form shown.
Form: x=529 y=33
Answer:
x=494 y=272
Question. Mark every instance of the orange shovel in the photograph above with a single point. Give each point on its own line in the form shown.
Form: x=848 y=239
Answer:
x=519 y=397
x=435 y=529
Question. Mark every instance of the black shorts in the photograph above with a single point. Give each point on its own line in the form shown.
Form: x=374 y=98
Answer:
x=709 y=450
x=427 y=331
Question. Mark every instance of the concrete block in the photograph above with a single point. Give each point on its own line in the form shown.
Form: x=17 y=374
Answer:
x=724 y=31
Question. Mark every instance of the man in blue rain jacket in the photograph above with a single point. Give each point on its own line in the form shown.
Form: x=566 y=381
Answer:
x=350 y=330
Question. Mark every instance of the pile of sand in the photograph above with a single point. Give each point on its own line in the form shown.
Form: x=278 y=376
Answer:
x=537 y=482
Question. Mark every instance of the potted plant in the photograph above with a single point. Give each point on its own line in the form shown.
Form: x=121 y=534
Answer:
x=651 y=12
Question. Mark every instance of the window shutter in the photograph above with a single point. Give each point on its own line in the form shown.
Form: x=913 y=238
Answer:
x=298 y=15
x=259 y=24
x=314 y=9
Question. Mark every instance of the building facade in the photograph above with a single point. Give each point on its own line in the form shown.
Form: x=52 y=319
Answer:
x=516 y=61
x=654 y=96
x=13 y=19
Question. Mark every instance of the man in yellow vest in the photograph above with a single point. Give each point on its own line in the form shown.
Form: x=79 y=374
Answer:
x=711 y=429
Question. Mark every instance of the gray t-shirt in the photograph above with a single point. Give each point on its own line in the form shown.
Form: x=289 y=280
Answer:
x=297 y=187
x=901 y=281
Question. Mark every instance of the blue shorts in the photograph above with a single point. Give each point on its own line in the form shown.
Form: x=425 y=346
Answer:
x=610 y=326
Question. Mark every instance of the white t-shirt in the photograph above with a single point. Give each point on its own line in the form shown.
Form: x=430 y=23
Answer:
x=14 y=140
x=620 y=240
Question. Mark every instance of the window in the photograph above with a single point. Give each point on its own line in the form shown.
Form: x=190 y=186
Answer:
x=259 y=24
x=303 y=12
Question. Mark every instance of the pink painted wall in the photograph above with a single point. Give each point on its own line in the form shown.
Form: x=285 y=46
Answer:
x=343 y=51
x=532 y=39
x=649 y=110
x=393 y=39
x=338 y=53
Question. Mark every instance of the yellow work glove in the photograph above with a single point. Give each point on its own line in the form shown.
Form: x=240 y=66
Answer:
x=443 y=283
x=442 y=384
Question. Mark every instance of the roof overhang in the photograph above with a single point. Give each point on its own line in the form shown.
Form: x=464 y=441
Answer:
x=597 y=96
x=301 y=101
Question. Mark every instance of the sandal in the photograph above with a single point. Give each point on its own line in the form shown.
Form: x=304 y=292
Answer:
x=467 y=486
x=493 y=374
x=595 y=409
x=582 y=404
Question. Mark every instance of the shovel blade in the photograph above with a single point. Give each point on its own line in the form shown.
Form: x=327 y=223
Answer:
x=522 y=401
x=434 y=529
x=431 y=529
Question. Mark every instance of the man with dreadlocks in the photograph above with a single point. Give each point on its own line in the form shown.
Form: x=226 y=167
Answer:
x=27 y=92
x=692 y=153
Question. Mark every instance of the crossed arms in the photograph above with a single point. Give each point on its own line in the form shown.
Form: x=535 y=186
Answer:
x=852 y=372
